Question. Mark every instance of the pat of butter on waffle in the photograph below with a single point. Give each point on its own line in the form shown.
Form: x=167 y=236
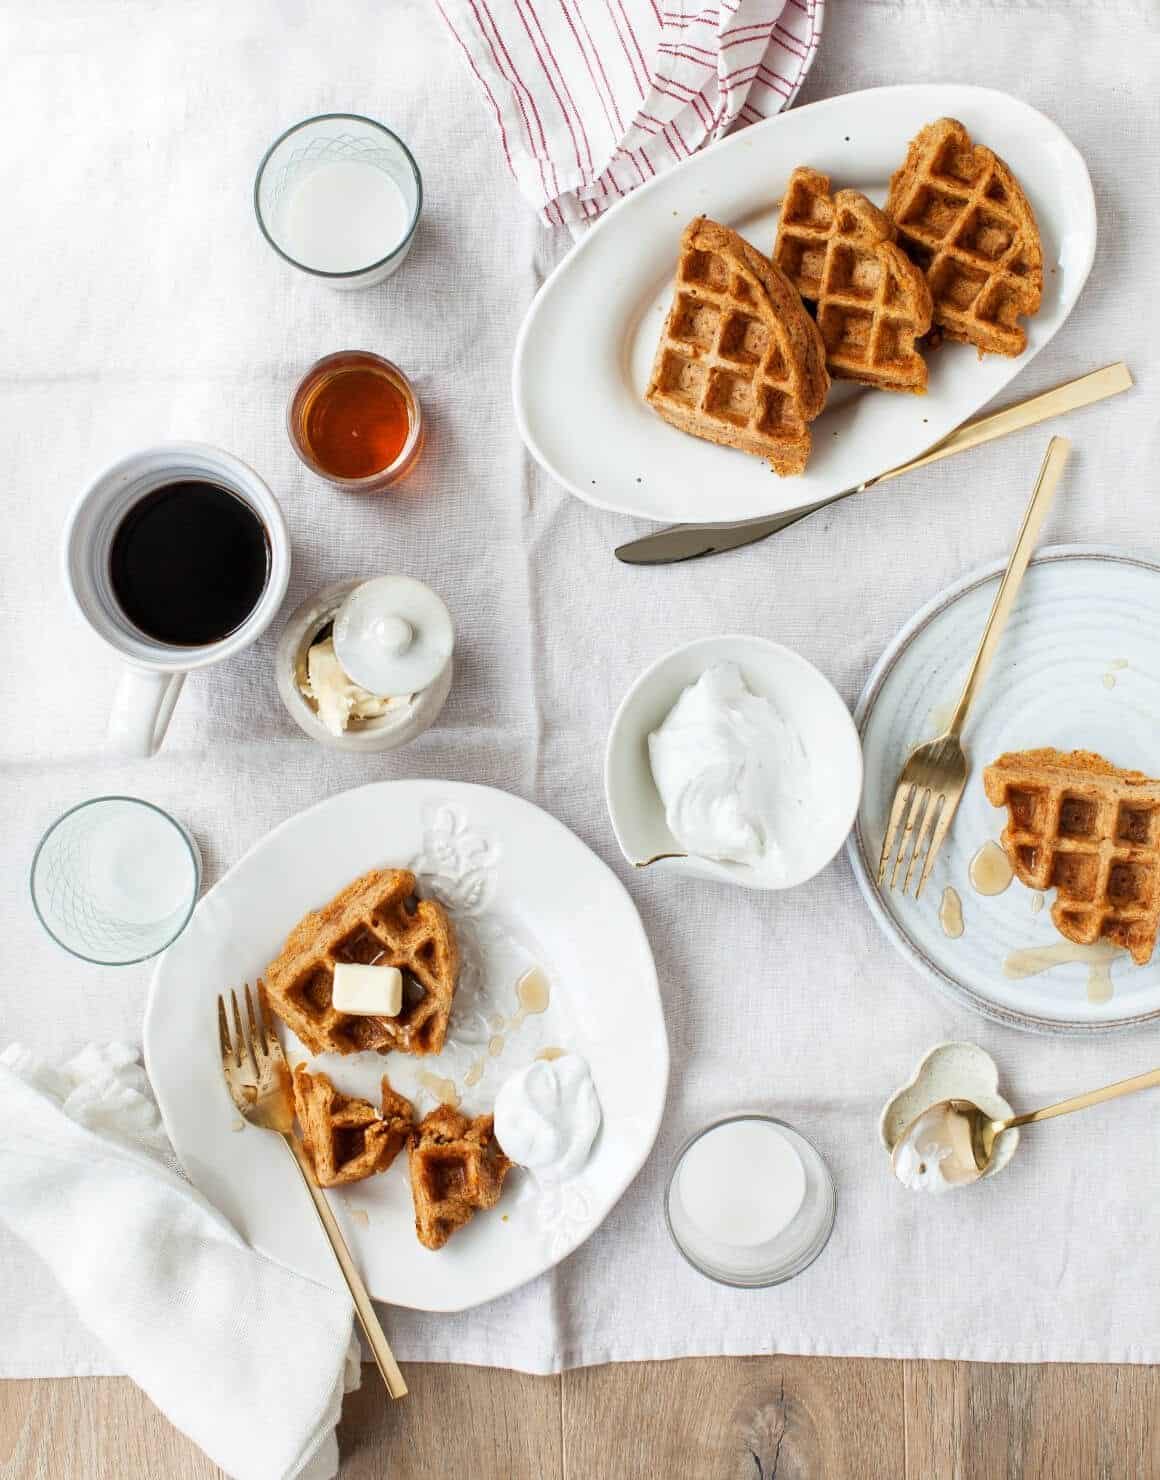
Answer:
x=367 y=991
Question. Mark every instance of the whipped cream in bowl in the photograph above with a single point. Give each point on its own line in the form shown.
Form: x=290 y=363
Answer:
x=734 y=776
x=737 y=756
x=922 y=1146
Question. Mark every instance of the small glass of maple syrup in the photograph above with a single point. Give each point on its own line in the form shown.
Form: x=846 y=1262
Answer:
x=354 y=419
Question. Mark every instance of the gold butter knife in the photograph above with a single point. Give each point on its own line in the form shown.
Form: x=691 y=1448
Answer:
x=689 y=541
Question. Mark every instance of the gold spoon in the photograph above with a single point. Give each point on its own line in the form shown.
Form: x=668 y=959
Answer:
x=982 y=1131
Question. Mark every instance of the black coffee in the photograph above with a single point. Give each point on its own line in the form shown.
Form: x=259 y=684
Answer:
x=189 y=562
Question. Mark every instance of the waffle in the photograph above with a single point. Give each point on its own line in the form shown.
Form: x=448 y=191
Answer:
x=379 y=920
x=740 y=362
x=457 y=1168
x=1082 y=826
x=347 y=1139
x=872 y=302
x=963 y=218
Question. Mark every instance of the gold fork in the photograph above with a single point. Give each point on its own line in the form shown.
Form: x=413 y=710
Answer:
x=258 y=1078
x=931 y=784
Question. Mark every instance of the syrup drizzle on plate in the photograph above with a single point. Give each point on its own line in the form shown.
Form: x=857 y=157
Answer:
x=990 y=870
x=1098 y=958
x=950 y=913
x=533 y=994
x=444 y=1090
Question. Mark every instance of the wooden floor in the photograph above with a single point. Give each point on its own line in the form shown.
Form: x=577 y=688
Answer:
x=748 y=1418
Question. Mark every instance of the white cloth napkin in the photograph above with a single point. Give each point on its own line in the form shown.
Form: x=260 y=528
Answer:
x=594 y=100
x=248 y=1359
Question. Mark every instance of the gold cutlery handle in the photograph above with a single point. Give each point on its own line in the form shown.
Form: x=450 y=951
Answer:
x=1149 y=1080
x=1087 y=389
x=1045 y=486
x=690 y=541
x=364 y=1309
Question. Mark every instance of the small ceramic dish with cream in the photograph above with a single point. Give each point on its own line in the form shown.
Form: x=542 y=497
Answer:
x=754 y=701
x=950 y=1071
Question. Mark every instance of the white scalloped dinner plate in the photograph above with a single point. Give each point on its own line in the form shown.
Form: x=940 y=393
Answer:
x=1078 y=668
x=584 y=352
x=523 y=890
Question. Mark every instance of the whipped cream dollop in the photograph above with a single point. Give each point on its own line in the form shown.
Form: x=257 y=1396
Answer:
x=734 y=777
x=547 y=1116
x=935 y=1153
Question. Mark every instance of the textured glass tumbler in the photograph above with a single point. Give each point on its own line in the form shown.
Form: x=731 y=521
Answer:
x=115 y=880
x=339 y=197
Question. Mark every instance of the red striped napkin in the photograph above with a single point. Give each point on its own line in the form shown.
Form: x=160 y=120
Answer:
x=594 y=97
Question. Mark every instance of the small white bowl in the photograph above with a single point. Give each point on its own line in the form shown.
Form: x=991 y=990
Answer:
x=804 y=698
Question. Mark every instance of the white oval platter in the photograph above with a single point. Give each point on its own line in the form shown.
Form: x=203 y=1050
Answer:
x=584 y=352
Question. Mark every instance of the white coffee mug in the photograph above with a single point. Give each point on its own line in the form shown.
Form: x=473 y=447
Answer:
x=155 y=671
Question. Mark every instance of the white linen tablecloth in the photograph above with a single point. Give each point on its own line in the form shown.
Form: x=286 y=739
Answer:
x=140 y=304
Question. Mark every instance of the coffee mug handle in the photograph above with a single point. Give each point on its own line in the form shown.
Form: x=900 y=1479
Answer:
x=142 y=707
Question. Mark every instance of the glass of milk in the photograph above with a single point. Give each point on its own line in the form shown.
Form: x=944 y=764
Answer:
x=115 y=880
x=749 y=1201
x=339 y=197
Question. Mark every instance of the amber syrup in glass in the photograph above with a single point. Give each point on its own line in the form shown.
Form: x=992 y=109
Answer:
x=355 y=420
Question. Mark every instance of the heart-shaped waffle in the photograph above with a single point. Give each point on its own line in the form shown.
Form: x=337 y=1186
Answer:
x=740 y=362
x=839 y=252
x=1080 y=825
x=963 y=218
x=376 y=920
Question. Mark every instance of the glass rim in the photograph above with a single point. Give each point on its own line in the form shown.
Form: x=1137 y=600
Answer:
x=384 y=477
x=720 y=1279
x=351 y=272
x=80 y=807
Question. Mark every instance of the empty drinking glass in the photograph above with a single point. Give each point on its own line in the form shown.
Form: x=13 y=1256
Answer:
x=115 y=880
